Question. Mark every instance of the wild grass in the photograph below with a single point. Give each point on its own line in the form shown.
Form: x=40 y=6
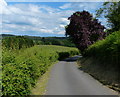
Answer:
x=107 y=76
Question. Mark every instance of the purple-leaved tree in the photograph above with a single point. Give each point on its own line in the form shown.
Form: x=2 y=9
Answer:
x=84 y=29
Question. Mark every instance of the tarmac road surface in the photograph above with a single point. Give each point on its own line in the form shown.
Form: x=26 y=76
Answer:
x=67 y=79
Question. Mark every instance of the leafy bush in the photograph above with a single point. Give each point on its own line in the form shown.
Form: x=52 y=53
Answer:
x=107 y=50
x=22 y=68
x=17 y=42
x=111 y=11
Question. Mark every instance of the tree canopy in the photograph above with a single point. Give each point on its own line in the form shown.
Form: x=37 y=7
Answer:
x=111 y=11
x=84 y=29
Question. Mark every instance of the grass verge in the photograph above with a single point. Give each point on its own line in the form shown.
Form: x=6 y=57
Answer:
x=40 y=87
x=106 y=75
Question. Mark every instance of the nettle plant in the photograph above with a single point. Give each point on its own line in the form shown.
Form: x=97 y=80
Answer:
x=84 y=29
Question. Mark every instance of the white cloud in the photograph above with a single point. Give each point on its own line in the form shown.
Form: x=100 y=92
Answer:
x=62 y=26
x=3 y=3
x=60 y=0
x=46 y=30
x=34 y=8
x=79 y=6
x=36 y=19
x=65 y=20
x=62 y=32
x=65 y=6
x=26 y=18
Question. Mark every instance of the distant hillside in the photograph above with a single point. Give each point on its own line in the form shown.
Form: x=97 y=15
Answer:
x=32 y=37
x=63 y=41
x=6 y=35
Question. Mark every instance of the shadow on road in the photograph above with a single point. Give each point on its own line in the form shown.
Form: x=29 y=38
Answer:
x=72 y=59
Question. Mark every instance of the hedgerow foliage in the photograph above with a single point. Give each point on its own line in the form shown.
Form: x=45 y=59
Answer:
x=84 y=29
x=21 y=68
x=107 y=51
x=111 y=11
x=17 y=42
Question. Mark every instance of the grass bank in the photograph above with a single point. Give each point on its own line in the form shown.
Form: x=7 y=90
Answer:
x=41 y=84
x=106 y=75
x=102 y=60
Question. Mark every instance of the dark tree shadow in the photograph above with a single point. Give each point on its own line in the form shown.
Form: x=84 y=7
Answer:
x=72 y=59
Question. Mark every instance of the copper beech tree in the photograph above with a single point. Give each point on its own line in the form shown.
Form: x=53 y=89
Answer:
x=84 y=30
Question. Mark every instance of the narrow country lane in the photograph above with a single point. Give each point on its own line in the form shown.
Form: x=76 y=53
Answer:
x=67 y=79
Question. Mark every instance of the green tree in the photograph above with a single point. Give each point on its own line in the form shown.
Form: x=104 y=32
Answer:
x=111 y=11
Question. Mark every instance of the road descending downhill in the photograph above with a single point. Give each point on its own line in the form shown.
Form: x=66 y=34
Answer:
x=67 y=79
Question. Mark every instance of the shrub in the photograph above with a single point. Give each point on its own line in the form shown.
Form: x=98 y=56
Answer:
x=17 y=42
x=107 y=50
x=22 y=68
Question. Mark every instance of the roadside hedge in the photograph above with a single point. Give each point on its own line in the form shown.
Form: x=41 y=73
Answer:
x=17 y=42
x=107 y=50
x=22 y=68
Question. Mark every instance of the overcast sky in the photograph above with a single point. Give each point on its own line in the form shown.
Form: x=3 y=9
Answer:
x=41 y=18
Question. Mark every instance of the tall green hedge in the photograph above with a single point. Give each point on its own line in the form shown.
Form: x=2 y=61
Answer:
x=22 y=68
x=17 y=42
x=107 y=50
